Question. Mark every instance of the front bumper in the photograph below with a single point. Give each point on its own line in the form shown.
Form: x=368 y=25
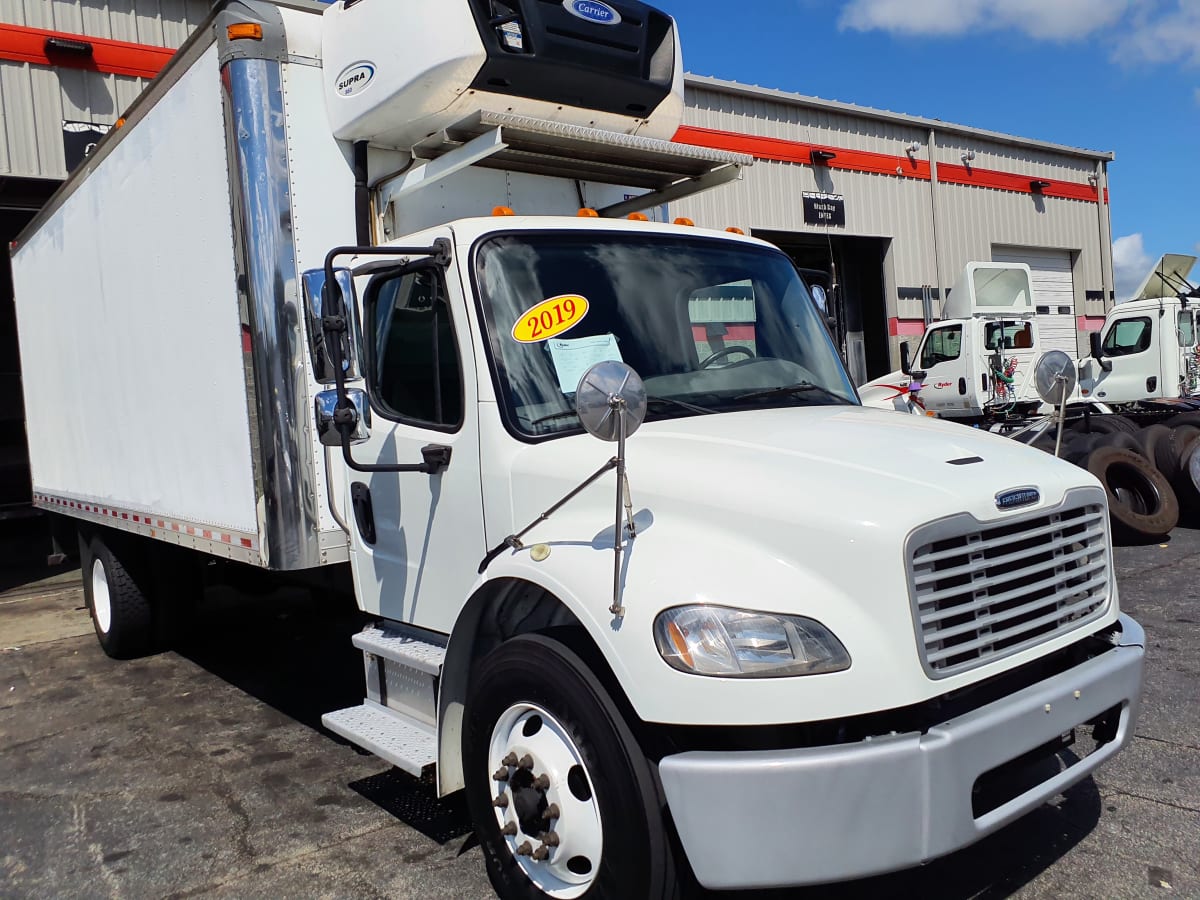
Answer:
x=778 y=818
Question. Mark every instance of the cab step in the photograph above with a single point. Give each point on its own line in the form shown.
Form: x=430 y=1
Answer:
x=401 y=645
x=390 y=735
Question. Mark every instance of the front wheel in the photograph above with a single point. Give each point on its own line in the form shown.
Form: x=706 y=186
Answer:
x=562 y=797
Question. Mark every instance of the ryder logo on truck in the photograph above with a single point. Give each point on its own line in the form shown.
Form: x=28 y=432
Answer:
x=593 y=11
x=354 y=79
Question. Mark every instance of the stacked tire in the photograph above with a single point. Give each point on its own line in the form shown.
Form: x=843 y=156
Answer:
x=1151 y=475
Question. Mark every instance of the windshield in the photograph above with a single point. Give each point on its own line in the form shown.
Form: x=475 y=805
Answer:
x=710 y=325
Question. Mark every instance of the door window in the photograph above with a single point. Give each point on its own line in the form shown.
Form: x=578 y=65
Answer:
x=1009 y=335
x=941 y=345
x=1127 y=337
x=1187 y=329
x=413 y=370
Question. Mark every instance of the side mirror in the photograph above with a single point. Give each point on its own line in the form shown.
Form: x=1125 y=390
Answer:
x=905 y=359
x=326 y=406
x=1098 y=351
x=315 y=304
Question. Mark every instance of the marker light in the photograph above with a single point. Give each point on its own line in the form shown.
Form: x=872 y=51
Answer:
x=588 y=213
x=639 y=217
x=502 y=211
x=733 y=230
x=685 y=222
x=245 y=31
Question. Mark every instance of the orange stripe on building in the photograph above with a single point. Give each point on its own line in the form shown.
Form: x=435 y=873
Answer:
x=782 y=150
x=29 y=45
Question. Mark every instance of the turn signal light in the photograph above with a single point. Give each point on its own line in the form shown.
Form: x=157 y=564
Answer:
x=502 y=211
x=588 y=213
x=245 y=31
x=639 y=217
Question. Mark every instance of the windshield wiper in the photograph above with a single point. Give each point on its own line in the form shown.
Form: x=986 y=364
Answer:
x=683 y=404
x=787 y=390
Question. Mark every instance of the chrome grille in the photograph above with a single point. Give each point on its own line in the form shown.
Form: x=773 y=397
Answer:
x=982 y=592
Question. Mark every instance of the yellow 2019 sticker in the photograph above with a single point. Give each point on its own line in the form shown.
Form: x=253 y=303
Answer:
x=550 y=318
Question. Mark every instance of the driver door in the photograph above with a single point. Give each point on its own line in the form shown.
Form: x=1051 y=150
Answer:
x=947 y=369
x=416 y=538
x=1131 y=346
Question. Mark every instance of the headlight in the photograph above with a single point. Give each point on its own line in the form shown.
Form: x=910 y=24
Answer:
x=741 y=643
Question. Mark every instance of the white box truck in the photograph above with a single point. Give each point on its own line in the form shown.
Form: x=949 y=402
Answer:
x=776 y=638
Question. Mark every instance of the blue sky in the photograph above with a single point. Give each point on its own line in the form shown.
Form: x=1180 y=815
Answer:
x=1118 y=75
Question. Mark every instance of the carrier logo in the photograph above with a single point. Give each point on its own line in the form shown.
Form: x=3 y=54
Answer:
x=354 y=79
x=1015 y=499
x=593 y=11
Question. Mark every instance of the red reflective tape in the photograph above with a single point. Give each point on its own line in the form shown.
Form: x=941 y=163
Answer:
x=21 y=44
x=782 y=150
x=206 y=534
x=246 y=542
x=906 y=327
x=226 y=539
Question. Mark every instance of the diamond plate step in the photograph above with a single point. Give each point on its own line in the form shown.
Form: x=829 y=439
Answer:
x=404 y=743
x=401 y=647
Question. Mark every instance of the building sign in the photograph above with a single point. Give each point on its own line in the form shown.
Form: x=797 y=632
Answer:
x=824 y=209
x=79 y=139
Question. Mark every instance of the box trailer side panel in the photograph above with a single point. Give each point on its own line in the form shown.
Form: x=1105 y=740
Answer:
x=131 y=337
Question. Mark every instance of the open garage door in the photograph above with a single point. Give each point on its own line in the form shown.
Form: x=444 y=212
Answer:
x=1053 y=293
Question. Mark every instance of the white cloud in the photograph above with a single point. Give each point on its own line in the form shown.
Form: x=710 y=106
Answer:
x=1156 y=35
x=1042 y=19
x=1130 y=265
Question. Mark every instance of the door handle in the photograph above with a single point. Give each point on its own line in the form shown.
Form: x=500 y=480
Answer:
x=364 y=512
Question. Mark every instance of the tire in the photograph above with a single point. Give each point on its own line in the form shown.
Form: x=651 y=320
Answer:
x=1110 y=424
x=534 y=697
x=1188 y=418
x=1187 y=486
x=1120 y=440
x=1142 y=504
x=121 y=610
x=1155 y=443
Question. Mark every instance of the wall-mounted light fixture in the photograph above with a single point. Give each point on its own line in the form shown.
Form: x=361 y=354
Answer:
x=1038 y=186
x=66 y=45
x=967 y=158
x=821 y=157
x=913 y=149
x=1093 y=180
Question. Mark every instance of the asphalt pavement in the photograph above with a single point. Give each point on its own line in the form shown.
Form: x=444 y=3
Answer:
x=205 y=772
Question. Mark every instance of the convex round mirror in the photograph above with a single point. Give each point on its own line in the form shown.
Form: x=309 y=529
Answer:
x=1055 y=377
x=606 y=391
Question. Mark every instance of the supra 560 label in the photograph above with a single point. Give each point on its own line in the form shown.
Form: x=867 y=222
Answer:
x=354 y=79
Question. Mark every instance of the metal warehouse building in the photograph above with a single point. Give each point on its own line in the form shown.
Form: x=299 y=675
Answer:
x=896 y=205
x=886 y=207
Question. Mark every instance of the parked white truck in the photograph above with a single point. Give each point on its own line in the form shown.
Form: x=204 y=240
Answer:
x=797 y=641
x=977 y=363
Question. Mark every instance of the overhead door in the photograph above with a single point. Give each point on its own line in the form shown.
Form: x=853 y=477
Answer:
x=1053 y=293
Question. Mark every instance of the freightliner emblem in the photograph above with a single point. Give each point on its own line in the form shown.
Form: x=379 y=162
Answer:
x=1017 y=498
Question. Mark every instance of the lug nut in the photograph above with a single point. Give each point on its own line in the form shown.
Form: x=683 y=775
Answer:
x=542 y=853
x=510 y=760
x=541 y=783
x=509 y=830
x=501 y=802
x=526 y=762
x=526 y=849
x=500 y=775
x=550 y=839
x=551 y=812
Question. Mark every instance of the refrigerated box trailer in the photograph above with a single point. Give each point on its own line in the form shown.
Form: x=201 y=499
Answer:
x=325 y=306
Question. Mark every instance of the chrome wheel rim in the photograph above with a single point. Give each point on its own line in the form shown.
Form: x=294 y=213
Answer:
x=544 y=801
x=101 y=601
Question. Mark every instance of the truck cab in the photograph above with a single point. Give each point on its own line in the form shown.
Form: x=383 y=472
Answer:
x=1148 y=347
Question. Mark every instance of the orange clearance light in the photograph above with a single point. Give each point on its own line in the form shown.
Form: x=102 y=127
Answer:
x=120 y=123
x=588 y=213
x=639 y=217
x=733 y=230
x=245 y=31
x=686 y=222
x=502 y=211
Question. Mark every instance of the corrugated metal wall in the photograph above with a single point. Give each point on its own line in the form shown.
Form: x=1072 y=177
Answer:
x=968 y=222
x=35 y=100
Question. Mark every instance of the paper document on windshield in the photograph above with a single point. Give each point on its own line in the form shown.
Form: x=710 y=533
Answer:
x=573 y=357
